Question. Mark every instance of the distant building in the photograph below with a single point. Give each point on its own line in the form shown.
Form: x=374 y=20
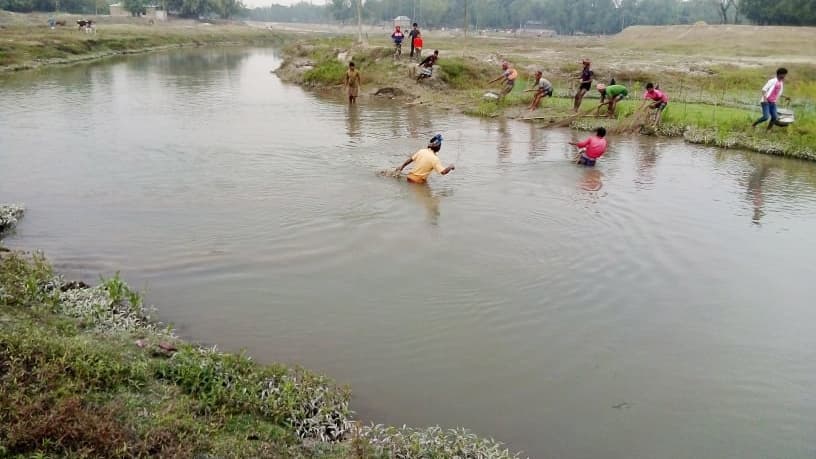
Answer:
x=403 y=21
x=118 y=10
x=536 y=28
x=153 y=12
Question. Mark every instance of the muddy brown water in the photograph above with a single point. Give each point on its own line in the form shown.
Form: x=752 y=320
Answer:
x=660 y=305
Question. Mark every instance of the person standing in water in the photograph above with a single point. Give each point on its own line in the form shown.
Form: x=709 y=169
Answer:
x=426 y=161
x=352 y=83
x=771 y=92
x=591 y=148
x=585 y=82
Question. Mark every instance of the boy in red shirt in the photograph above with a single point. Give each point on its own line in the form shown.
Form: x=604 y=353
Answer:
x=417 y=46
x=660 y=99
x=591 y=148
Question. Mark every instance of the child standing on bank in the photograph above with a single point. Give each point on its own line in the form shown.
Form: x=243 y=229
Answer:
x=416 y=46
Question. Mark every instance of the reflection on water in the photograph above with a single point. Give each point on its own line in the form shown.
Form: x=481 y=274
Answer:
x=521 y=295
x=646 y=163
x=430 y=201
x=591 y=179
x=504 y=146
x=353 y=121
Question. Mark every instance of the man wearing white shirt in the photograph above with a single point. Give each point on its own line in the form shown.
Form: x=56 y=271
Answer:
x=771 y=92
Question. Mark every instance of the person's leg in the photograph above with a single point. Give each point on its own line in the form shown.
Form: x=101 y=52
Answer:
x=579 y=96
x=506 y=90
x=536 y=100
x=773 y=114
x=765 y=114
x=412 y=48
x=612 y=104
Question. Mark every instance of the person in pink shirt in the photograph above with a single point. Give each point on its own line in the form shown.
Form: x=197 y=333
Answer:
x=591 y=148
x=771 y=92
x=660 y=101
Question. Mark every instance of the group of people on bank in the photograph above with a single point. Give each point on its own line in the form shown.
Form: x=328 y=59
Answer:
x=426 y=160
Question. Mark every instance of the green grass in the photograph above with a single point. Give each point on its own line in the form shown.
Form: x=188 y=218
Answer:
x=85 y=374
x=71 y=389
x=29 y=46
x=464 y=73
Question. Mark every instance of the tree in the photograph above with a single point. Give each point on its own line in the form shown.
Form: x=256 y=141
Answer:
x=341 y=10
x=723 y=6
x=227 y=8
x=136 y=7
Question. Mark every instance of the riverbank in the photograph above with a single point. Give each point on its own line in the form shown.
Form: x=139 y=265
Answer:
x=713 y=91
x=87 y=371
x=26 y=41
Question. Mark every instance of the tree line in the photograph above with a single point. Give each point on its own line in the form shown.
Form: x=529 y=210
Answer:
x=563 y=16
x=184 y=8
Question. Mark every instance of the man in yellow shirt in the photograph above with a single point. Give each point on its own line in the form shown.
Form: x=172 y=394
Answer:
x=426 y=161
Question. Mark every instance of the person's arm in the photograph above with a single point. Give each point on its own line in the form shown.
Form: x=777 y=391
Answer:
x=443 y=170
x=581 y=144
x=497 y=79
x=767 y=89
x=405 y=164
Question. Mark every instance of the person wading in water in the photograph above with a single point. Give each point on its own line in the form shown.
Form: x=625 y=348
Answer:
x=352 y=83
x=426 y=161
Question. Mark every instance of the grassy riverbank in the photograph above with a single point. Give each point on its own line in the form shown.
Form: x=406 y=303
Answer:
x=86 y=371
x=27 y=42
x=714 y=87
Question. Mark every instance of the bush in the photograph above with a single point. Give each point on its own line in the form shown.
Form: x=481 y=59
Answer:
x=461 y=73
x=326 y=72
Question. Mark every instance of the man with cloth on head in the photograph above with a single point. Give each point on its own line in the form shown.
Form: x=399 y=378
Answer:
x=426 y=161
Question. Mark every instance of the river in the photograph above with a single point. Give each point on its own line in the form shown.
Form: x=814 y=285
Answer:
x=657 y=306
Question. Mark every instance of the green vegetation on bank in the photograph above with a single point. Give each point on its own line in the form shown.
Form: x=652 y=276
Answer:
x=86 y=372
x=27 y=46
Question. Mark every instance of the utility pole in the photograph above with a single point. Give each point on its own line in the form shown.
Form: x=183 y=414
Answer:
x=360 y=21
x=466 y=19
